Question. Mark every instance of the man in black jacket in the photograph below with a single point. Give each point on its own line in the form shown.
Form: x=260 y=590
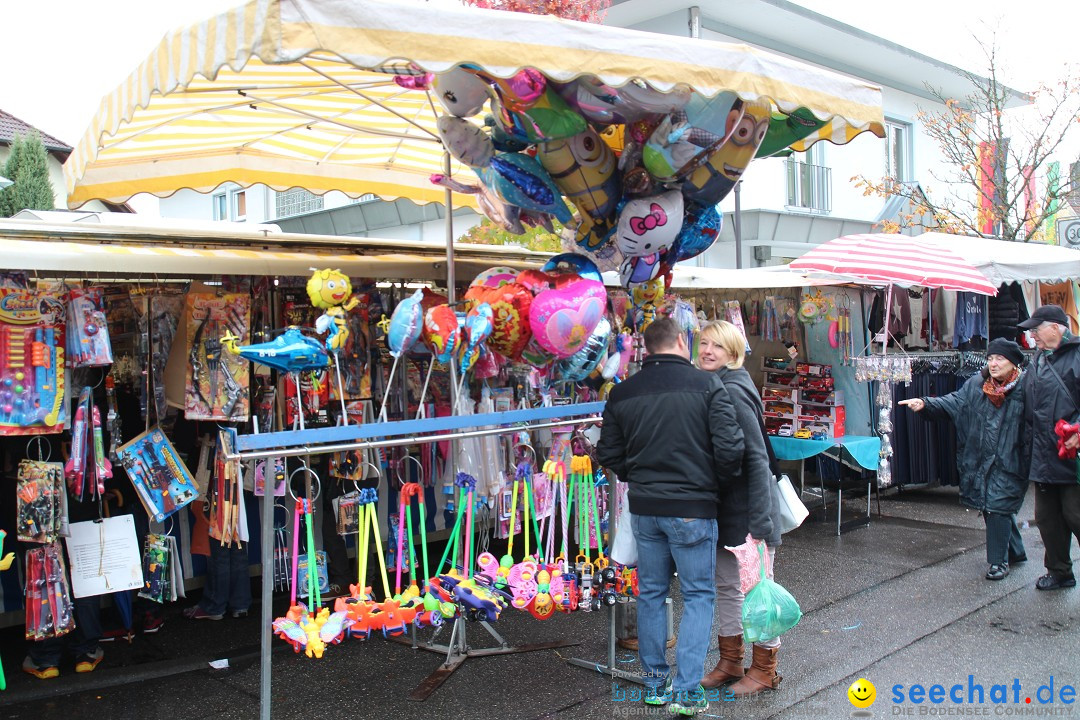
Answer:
x=671 y=433
x=1052 y=393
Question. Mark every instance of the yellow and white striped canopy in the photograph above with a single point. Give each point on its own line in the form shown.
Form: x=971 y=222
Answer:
x=300 y=93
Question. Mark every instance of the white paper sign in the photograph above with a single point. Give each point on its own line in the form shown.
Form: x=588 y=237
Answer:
x=104 y=557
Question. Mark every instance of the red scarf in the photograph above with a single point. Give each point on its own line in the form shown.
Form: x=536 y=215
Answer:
x=996 y=390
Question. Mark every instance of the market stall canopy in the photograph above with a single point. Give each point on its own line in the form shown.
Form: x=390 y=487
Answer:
x=139 y=251
x=893 y=259
x=1004 y=262
x=689 y=277
x=301 y=93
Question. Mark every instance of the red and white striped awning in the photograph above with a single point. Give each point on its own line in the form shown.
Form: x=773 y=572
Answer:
x=891 y=259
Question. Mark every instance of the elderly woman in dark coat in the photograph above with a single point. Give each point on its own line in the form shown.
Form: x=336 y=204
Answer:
x=993 y=451
x=747 y=506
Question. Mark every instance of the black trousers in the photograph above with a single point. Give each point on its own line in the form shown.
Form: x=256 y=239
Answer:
x=1057 y=512
x=1002 y=538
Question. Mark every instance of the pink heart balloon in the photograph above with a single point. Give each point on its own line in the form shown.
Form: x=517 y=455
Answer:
x=563 y=318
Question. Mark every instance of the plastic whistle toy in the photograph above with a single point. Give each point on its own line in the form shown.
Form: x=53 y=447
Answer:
x=1064 y=431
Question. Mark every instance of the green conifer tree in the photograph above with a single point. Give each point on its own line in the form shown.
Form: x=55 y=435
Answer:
x=28 y=168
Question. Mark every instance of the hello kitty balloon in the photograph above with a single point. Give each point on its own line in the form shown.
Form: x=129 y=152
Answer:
x=647 y=227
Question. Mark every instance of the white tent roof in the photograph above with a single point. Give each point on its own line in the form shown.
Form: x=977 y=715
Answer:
x=689 y=277
x=1002 y=261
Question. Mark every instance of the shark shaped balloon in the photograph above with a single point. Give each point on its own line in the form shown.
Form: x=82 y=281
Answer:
x=290 y=352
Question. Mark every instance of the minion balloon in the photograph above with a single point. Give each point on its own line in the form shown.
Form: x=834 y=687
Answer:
x=715 y=178
x=331 y=291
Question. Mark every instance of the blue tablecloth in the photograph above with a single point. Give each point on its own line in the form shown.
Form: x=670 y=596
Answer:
x=864 y=450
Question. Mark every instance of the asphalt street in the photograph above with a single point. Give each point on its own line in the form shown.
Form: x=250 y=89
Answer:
x=901 y=603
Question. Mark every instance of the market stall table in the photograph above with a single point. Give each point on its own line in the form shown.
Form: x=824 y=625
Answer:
x=862 y=450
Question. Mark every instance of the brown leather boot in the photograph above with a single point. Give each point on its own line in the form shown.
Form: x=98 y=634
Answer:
x=730 y=666
x=760 y=676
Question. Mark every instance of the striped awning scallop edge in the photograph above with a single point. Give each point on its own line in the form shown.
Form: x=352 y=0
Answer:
x=300 y=93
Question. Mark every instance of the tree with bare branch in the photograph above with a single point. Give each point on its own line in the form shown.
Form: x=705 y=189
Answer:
x=584 y=10
x=995 y=156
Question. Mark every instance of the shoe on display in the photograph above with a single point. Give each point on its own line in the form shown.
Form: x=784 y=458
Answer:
x=689 y=703
x=658 y=695
x=197 y=613
x=998 y=571
x=40 y=672
x=1049 y=582
x=87 y=663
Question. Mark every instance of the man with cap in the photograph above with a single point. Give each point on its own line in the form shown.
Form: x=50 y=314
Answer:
x=993 y=448
x=1052 y=393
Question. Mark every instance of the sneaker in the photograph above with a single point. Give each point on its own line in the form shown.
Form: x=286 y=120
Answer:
x=41 y=673
x=239 y=613
x=689 y=702
x=197 y=613
x=152 y=623
x=659 y=695
x=115 y=634
x=998 y=571
x=1049 y=582
x=87 y=663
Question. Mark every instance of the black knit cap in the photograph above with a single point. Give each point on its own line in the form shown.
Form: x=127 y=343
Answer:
x=1007 y=349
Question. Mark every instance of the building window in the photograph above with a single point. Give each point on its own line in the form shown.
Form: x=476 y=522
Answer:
x=221 y=207
x=897 y=150
x=296 y=202
x=809 y=182
x=239 y=205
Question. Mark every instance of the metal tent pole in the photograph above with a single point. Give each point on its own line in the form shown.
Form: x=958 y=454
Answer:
x=266 y=538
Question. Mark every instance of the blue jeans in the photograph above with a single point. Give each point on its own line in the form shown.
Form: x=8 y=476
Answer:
x=691 y=544
x=228 y=584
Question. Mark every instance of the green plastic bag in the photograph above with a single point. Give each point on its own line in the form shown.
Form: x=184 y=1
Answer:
x=768 y=610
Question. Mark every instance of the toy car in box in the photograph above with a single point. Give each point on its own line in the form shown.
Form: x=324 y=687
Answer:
x=813 y=369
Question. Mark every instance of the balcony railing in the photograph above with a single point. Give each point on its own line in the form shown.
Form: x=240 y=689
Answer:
x=809 y=186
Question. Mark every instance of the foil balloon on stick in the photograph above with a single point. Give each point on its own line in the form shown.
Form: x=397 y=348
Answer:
x=582 y=363
x=563 y=317
x=477 y=329
x=714 y=179
x=647 y=228
x=406 y=324
x=331 y=292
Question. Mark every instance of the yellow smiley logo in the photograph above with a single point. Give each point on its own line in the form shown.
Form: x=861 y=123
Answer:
x=862 y=693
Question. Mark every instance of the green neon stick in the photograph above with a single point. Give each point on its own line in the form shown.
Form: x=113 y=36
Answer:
x=423 y=542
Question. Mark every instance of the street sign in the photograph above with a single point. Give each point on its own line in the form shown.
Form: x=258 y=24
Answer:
x=1068 y=232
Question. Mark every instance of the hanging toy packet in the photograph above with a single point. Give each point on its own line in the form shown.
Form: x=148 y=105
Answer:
x=162 y=481
x=87 y=329
x=217 y=381
x=31 y=363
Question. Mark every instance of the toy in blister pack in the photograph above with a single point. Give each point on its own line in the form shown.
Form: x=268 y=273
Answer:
x=162 y=324
x=162 y=482
x=87 y=467
x=49 y=608
x=314 y=398
x=41 y=507
x=87 y=330
x=217 y=381
x=321 y=577
x=275 y=469
x=163 y=578
x=31 y=363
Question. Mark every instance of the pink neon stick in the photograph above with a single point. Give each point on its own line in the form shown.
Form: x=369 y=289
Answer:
x=296 y=549
x=400 y=539
x=467 y=557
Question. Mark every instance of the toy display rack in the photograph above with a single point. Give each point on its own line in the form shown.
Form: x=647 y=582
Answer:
x=318 y=441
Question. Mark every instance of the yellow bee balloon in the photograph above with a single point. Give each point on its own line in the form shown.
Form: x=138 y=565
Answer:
x=584 y=169
x=331 y=291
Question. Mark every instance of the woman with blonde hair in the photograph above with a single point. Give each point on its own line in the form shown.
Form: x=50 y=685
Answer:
x=746 y=506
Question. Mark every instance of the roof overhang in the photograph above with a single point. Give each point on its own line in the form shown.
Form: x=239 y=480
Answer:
x=793 y=30
x=130 y=251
